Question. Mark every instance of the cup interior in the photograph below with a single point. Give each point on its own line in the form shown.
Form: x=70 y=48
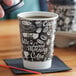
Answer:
x=38 y=15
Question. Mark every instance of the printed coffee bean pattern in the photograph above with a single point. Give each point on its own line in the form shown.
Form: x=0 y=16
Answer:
x=67 y=17
x=37 y=38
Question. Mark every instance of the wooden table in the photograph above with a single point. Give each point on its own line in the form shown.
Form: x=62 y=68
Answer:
x=10 y=48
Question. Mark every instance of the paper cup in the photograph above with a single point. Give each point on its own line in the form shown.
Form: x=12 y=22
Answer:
x=37 y=31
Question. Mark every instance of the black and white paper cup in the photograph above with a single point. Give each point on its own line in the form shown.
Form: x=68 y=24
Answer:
x=66 y=22
x=66 y=9
x=37 y=30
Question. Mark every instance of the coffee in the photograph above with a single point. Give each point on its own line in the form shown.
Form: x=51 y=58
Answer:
x=39 y=17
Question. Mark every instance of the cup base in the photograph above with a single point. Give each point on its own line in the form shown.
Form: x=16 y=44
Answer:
x=37 y=65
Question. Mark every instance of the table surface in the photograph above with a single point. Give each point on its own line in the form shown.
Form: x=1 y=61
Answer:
x=10 y=48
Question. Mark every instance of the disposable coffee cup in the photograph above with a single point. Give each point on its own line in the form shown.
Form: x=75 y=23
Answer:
x=66 y=22
x=37 y=33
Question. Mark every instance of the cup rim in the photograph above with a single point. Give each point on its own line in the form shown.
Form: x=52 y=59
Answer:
x=24 y=15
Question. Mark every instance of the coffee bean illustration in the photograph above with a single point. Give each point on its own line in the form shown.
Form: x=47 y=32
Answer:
x=24 y=34
x=30 y=35
x=43 y=37
x=39 y=30
x=38 y=23
x=44 y=23
x=35 y=36
x=30 y=46
x=31 y=42
x=67 y=20
x=25 y=41
x=26 y=23
x=60 y=22
x=40 y=41
x=45 y=29
x=26 y=54
x=31 y=28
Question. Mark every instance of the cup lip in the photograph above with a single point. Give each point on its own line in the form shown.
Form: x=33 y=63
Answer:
x=52 y=15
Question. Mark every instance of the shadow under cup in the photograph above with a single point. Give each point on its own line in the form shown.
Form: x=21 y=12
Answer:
x=37 y=31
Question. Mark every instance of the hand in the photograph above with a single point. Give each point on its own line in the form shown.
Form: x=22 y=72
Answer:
x=8 y=3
